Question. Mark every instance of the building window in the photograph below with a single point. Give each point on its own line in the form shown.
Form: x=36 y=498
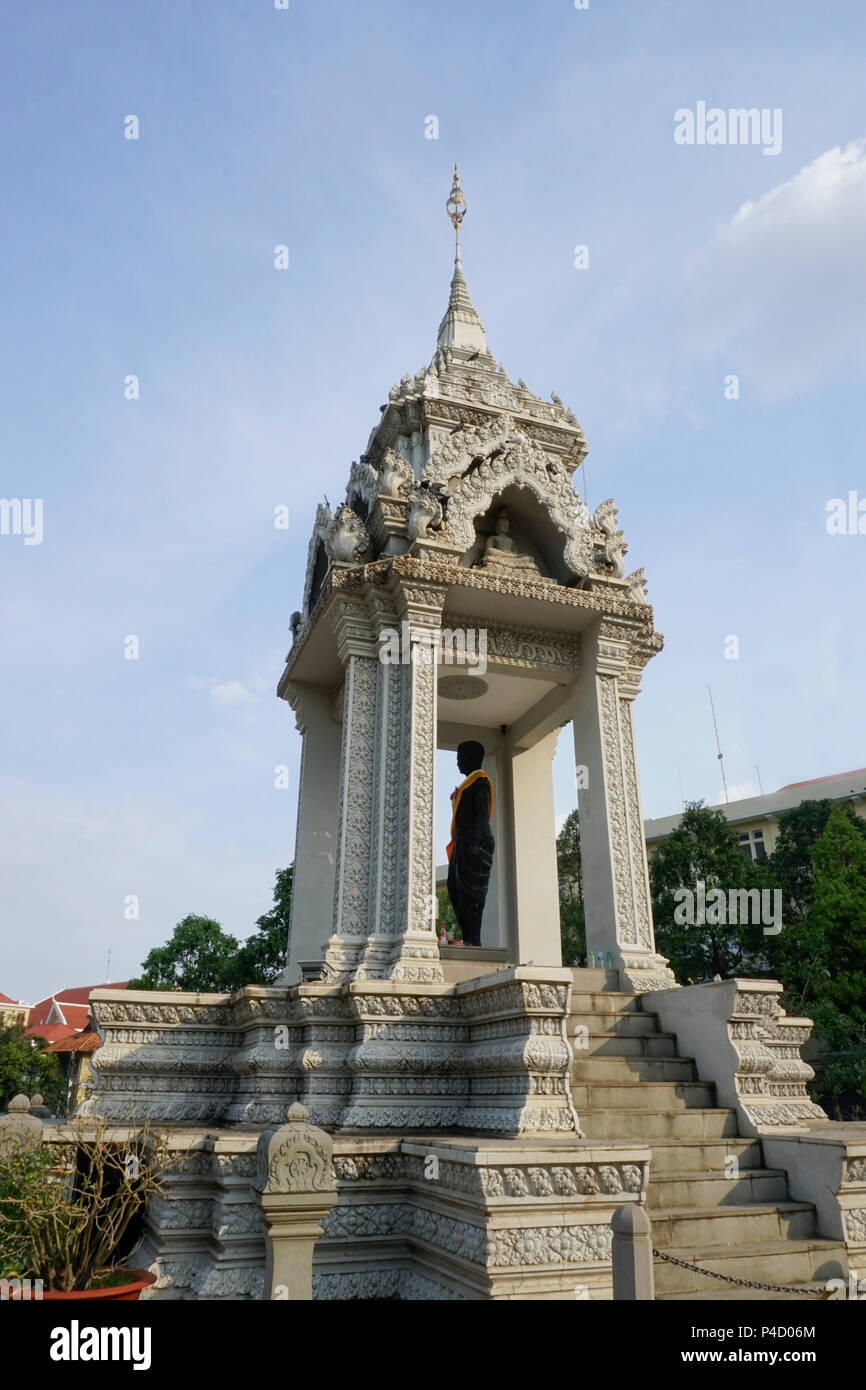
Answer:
x=752 y=844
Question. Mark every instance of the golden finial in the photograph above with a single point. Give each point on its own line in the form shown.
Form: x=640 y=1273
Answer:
x=456 y=205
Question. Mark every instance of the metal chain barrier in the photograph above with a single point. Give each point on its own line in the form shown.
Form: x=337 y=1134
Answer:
x=743 y=1283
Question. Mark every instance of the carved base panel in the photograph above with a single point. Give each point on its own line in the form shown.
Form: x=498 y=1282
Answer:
x=433 y=1218
x=488 y=1055
x=641 y=973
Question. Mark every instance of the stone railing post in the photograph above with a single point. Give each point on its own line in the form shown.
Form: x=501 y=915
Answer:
x=296 y=1190
x=632 y=1254
x=19 y=1129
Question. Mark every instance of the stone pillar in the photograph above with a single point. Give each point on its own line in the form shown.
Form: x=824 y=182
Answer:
x=613 y=852
x=503 y=858
x=492 y=920
x=387 y=772
x=632 y=1255
x=312 y=911
x=19 y=1130
x=355 y=827
x=296 y=1190
x=403 y=869
x=537 y=896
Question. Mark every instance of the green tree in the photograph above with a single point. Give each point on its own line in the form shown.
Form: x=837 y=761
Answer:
x=261 y=959
x=572 y=917
x=841 y=1064
x=445 y=916
x=791 y=861
x=803 y=955
x=838 y=910
x=198 y=956
x=704 y=849
x=25 y=1070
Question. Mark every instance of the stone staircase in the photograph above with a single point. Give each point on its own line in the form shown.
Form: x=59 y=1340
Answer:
x=630 y=1083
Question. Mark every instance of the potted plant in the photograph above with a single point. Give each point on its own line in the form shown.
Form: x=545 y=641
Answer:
x=66 y=1211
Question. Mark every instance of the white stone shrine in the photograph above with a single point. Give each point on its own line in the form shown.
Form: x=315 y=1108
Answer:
x=415 y=549
x=489 y=1110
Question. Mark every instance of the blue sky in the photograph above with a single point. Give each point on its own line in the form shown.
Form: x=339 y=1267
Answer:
x=258 y=387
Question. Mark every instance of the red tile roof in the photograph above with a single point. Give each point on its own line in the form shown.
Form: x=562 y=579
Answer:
x=69 y=1004
x=51 y=1032
x=72 y=1004
x=80 y=995
x=4 y=999
x=79 y=1042
x=834 y=776
x=76 y=1015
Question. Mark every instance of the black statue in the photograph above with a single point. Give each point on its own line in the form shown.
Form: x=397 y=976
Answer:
x=470 y=853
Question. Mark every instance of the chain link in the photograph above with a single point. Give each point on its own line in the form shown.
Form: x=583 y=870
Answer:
x=742 y=1283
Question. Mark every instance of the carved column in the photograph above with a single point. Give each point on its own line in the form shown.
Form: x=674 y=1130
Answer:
x=406 y=885
x=316 y=841
x=355 y=826
x=387 y=794
x=296 y=1190
x=613 y=851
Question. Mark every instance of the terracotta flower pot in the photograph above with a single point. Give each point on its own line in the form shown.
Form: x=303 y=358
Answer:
x=116 y=1293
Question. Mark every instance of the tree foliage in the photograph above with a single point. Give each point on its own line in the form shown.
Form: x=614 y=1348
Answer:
x=25 y=1070
x=838 y=911
x=262 y=957
x=791 y=863
x=200 y=956
x=704 y=850
x=445 y=915
x=572 y=917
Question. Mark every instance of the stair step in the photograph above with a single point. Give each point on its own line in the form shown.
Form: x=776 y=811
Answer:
x=647 y=1126
x=647 y=1097
x=733 y=1227
x=616 y=1025
x=614 y=1045
x=590 y=980
x=589 y=1067
x=712 y=1189
x=729 y=1293
x=671 y=1157
x=771 y=1262
x=610 y=1002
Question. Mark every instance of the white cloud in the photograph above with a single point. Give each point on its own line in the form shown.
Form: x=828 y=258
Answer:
x=739 y=791
x=779 y=297
x=232 y=693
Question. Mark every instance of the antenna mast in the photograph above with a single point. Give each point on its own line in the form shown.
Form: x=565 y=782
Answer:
x=720 y=754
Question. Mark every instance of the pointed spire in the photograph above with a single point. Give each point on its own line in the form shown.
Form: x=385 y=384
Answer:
x=461 y=327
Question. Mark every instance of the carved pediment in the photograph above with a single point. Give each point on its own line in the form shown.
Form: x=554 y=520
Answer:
x=513 y=462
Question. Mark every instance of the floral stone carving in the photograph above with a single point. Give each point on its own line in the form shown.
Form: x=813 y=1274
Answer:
x=296 y=1157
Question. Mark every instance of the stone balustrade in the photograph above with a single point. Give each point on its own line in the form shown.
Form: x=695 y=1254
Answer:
x=488 y=1054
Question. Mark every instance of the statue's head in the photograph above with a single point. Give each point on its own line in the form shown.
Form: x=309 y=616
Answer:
x=502 y=523
x=470 y=756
